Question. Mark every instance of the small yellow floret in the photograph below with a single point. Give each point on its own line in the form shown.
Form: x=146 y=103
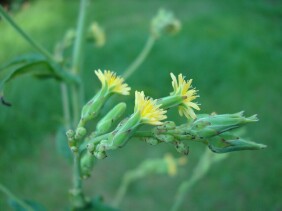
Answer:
x=182 y=88
x=149 y=110
x=112 y=82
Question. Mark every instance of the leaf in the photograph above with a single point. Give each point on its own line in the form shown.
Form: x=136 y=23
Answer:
x=62 y=144
x=33 y=205
x=36 y=65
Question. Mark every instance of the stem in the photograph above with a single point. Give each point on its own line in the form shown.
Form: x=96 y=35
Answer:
x=9 y=194
x=203 y=166
x=77 y=59
x=140 y=58
x=121 y=192
x=38 y=47
x=78 y=199
x=66 y=107
x=79 y=40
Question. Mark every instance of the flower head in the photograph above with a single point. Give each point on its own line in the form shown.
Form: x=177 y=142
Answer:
x=149 y=110
x=183 y=88
x=112 y=82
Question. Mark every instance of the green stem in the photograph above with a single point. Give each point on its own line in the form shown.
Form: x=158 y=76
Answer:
x=78 y=199
x=10 y=195
x=121 y=192
x=203 y=166
x=77 y=59
x=38 y=47
x=140 y=58
x=66 y=107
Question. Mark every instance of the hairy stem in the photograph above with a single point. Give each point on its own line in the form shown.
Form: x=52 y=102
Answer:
x=38 y=47
x=10 y=195
x=140 y=58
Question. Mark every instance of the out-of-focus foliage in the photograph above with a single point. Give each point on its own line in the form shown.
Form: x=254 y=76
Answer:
x=232 y=50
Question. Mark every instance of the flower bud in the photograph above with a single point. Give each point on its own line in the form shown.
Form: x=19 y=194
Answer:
x=213 y=125
x=74 y=149
x=110 y=118
x=70 y=134
x=182 y=148
x=151 y=140
x=87 y=162
x=164 y=22
x=80 y=132
x=229 y=143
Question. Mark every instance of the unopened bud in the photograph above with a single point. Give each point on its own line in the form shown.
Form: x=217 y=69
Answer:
x=74 y=149
x=70 y=134
x=110 y=118
x=164 y=22
x=80 y=133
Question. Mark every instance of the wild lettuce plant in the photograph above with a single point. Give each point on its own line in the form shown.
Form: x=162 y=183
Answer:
x=89 y=144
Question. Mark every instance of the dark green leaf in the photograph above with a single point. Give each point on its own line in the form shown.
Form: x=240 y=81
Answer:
x=36 y=65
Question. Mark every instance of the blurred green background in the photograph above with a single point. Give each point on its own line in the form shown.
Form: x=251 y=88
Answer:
x=231 y=49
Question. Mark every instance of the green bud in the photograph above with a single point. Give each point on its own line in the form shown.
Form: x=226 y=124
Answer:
x=169 y=101
x=168 y=125
x=80 y=132
x=151 y=140
x=121 y=134
x=90 y=147
x=182 y=148
x=70 y=134
x=164 y=22
x=100 y=155
x=91 y=109
x=74 y=149
x=113 y=115
x=87 y=162
x=229 y=143
x=213 y=125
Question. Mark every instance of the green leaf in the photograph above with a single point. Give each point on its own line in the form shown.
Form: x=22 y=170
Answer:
x=62 y=144
x=35 y=65
x=33 y=205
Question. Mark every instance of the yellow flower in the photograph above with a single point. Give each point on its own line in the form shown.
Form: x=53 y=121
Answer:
x=112 y=82
x=149 y=110
x=182 y=88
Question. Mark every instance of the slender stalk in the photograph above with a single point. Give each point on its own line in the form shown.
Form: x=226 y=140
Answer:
x=121 y=192
x=66 y=107
x=140 y=58
x=77 y=59
x=38 y=47
x=78 y=200
x=9 y=194
x=199 y=172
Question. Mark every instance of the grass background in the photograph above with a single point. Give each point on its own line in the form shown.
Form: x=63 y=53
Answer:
x=232 y=50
